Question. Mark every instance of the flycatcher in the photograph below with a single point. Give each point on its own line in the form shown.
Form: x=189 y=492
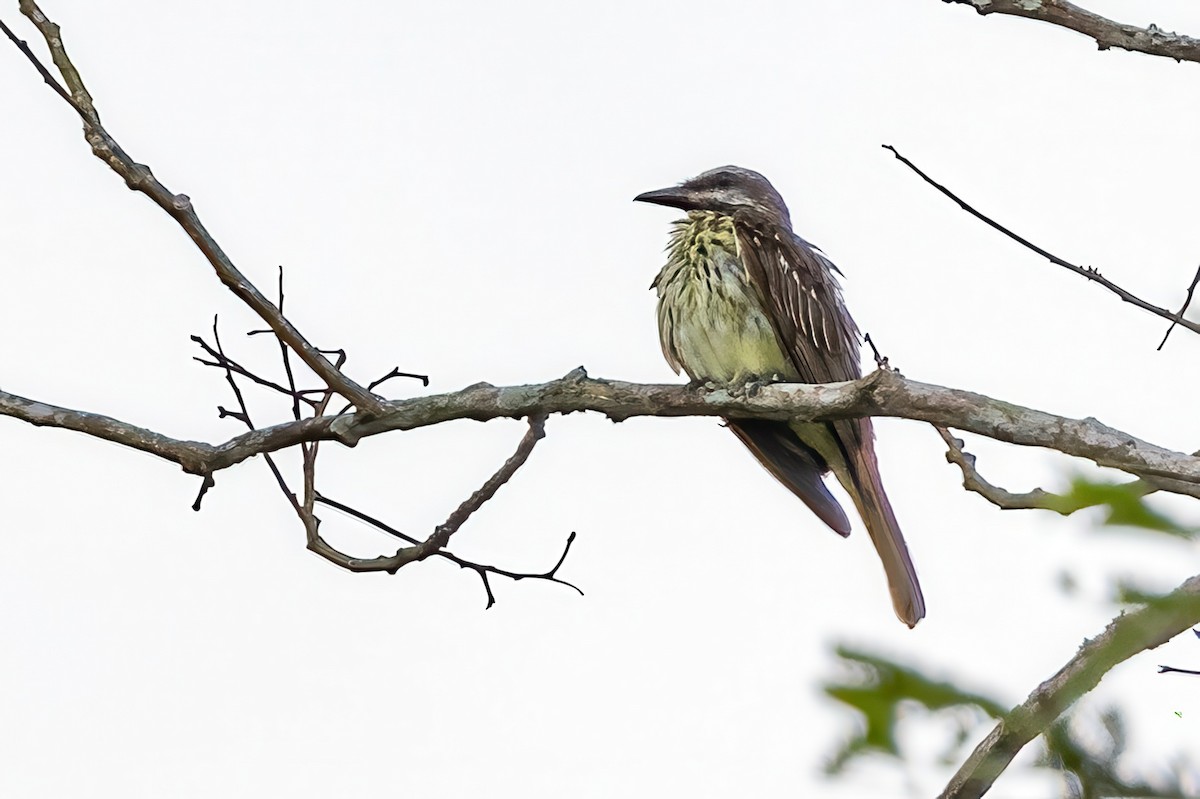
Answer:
x=742 y=298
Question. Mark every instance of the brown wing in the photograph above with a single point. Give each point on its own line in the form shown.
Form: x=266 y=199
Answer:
x=804 y=302
x=797 y=285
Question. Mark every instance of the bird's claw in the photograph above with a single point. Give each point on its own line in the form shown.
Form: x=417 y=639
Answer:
x=753 y=384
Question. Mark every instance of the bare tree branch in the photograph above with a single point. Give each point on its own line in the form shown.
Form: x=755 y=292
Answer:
x=179 y=206
x=1128 y=634
x=480 y=569
x=878 y=394
x=305 y=505
x=1037 y=499
x=1084 y=271
x=1107 y=33
x=442 y=533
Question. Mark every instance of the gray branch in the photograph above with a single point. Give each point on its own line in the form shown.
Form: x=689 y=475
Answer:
x=878 y=394
x=1107 y=33
x=1037 y=499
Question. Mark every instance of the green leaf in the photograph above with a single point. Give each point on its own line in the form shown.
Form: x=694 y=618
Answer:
x=876 y=693
x=1125 y=503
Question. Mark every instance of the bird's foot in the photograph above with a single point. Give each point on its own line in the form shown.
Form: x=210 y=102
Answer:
x=754 y=384
x=702 y=385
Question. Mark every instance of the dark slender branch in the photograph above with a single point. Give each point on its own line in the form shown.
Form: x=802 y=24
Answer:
x=442 y=533
x=304 y=505
x=1182 y=309
x=1128 y=634
x=179 y=206
x=227 y=363
x=481 y=569
x=50 y=80
x=881 y=362
x=1173 y=670
x=395 y=373
x=286 y=357
x=205 y=484
x=1107 y=33
x=243 y=415
x=1088 y=272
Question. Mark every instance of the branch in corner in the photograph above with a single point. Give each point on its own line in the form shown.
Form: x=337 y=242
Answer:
x=178 y=206
x=1107 y=33
x=1127 y=635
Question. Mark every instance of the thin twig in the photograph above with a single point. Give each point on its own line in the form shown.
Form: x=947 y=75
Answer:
x=1087 y=272
x=243 y=415
x=285 y=355
x=483 y=570
x=1170 y=669
x=50 y=80
x=395 y=373
x=1183 y=308
x=881 y=362
x=225 y=362
x=1173 y=670
x=442 y=533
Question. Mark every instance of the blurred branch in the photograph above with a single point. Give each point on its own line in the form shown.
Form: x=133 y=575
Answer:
x=179 y=206
x=1107 y=33
x=1091 y=273
x=1084 y=746
x=878 y=688
x=877 y=394
x=1159 y=621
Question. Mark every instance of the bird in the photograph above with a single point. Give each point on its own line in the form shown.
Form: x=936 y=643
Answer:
x=742 y=301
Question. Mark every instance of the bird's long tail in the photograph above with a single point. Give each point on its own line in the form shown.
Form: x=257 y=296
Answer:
x=876 y=511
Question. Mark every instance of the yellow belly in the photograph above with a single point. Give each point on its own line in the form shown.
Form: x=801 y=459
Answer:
x=718 y=333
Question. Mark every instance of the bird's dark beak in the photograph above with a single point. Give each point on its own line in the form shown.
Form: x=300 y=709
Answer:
x=675 y=197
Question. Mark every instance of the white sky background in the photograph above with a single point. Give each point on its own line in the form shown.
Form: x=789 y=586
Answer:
x=448 y=187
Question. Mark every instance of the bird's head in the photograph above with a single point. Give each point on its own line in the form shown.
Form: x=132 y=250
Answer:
x=727 y=190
